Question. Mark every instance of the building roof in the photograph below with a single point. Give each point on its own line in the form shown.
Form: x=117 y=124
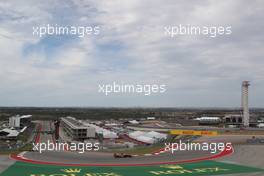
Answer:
x=147 y=137
x=208 y=118
x=74 y=123
x=11 y=133
x=133 y=122
x=106 y=133
x=21 y=117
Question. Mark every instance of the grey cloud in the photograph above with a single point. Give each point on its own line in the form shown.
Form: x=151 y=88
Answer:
x=197 y=70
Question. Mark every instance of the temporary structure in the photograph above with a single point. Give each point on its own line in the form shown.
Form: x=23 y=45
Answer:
x=147 y=137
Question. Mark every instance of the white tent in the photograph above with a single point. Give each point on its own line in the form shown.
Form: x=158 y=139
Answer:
x=156 y=135
x=145 y=139
x=133 y=122
x=149 y=137
x=109 y=134
x=136 y=134
x=261 y=125
x=106 y=133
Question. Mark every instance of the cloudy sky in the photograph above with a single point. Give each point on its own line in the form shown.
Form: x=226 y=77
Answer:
x=199 y=71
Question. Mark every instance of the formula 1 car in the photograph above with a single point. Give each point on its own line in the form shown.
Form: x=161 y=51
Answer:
x=122 y=155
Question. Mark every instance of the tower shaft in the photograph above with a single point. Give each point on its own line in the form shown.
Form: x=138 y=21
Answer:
x=245 y=85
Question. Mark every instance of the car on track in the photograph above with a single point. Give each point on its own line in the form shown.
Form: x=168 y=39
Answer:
x=122 y=155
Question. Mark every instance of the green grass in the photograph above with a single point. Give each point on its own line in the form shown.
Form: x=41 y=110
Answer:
x=205 y=168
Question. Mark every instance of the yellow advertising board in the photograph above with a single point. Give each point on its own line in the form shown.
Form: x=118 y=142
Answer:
x=193 y=132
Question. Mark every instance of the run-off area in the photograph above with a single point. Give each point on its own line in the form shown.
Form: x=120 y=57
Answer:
x=204 y=168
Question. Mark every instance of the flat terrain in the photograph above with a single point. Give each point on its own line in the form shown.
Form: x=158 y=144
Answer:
x=5 y=162
x=205 y=168
x=247 y=155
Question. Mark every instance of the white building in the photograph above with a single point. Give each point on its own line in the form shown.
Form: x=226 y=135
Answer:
x=76 y=129
x=8 y=133
x=134 y=122
x=261 y=125
x=151 y=118
x=209 y=120
x=16 y=121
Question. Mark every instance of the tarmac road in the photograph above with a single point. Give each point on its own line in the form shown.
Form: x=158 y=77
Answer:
x=107 y=158
x=5 y=162
x=247 y=155
x=99 y=157
x=46 y=126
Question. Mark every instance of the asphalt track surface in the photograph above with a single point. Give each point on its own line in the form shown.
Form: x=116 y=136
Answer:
x=232 y=159
x=108 y=159
x=68 y=157
x=5 y=162
x=226 y=159
x=247 y=155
